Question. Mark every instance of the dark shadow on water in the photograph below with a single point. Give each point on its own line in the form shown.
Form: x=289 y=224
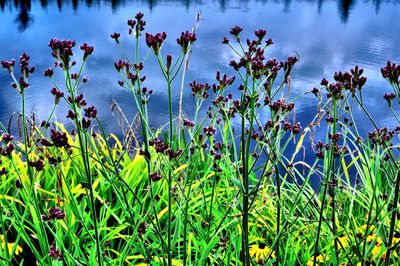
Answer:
x=25 y=19
x=345 y=8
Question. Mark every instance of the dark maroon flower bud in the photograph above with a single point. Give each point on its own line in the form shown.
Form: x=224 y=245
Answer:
x=139 y=16
x=296 y=129
x=260 y=34
x=186 y=39
x=44 y=124
x=46 y=143
x=389 y=97
x=8 y=64
x=53 y=160
x=74 y=76
x=7 y=138
x=59 y=139
x=324 y=82
x=38 y=165
x=188 y=123
x=71 y=114
x=62 y=51
x=235 y=31
x=84 y=79
x=316 y=91
x=54 y=214
x=23 y=84
x=87 y=50
x=8 y=150
x=391 y=72
x=269 y=42
x=225 y=40
x=169 y=62
x=155 y=177
x=235 y=65
x=119 y=65
x=209 y=131
x=55 y=253
x=48 y=72
x=142 y=228
x=91 y=112
x=155 y=41
x=138 y=67
x=115 y=36
x=85 y=123
x=200 y=89
x=121 y=83
x=131 y=23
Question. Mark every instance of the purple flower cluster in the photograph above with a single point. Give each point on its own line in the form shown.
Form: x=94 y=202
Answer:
x=391 y=72
x=8 y=64
x=186 y=39
x=38 y=164
x=222 y=82
x=25 y=69
x=142 y=228
x=57 y=94
x=253 y=60
x=58 y=138
x=87 y=50
x=54 y=214
x=55 y=253
x=62 y=51
x=164 y=148
x=155 y=41
x=352 y=81
x=381 y=136
x=137 y=25
x=155 y=177
x=199 y=90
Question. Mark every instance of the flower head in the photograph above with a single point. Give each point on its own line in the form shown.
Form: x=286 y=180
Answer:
x=155 y=41
x=186 y=39
x=261 y=251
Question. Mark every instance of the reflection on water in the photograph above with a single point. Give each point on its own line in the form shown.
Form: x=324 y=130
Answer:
x=328 y=35
x=25 y=19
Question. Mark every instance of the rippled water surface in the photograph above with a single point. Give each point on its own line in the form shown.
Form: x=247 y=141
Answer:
x=327 y=35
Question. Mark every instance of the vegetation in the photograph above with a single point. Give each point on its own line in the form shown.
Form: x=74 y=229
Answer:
x=221 y=189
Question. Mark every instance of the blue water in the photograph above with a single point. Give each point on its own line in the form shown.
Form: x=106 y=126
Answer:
x=327 y=35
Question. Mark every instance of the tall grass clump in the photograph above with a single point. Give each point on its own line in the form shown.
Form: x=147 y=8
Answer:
x=226 y=186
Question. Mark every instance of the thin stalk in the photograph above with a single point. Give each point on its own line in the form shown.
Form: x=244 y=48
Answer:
x=245 y=200
x=326 y=185
x=86 y=163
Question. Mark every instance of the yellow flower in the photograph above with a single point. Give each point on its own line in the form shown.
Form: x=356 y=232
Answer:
x=319 y=259
x=344 y=241
x=376 y=251
x=373 y=237
x=261 y=251
x=10 y=246
x=371 y=229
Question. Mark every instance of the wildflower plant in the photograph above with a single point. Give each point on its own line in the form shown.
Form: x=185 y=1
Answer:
x=227 y=186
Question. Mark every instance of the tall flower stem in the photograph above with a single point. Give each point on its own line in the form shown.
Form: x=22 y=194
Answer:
x=86 y=162
x=330 y=177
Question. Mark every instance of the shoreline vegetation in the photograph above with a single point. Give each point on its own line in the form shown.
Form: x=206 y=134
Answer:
x=200 y=191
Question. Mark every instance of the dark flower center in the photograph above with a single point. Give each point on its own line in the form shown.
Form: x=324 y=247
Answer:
x=261 y=246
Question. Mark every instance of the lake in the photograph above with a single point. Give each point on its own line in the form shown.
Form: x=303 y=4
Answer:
x=327 y=35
